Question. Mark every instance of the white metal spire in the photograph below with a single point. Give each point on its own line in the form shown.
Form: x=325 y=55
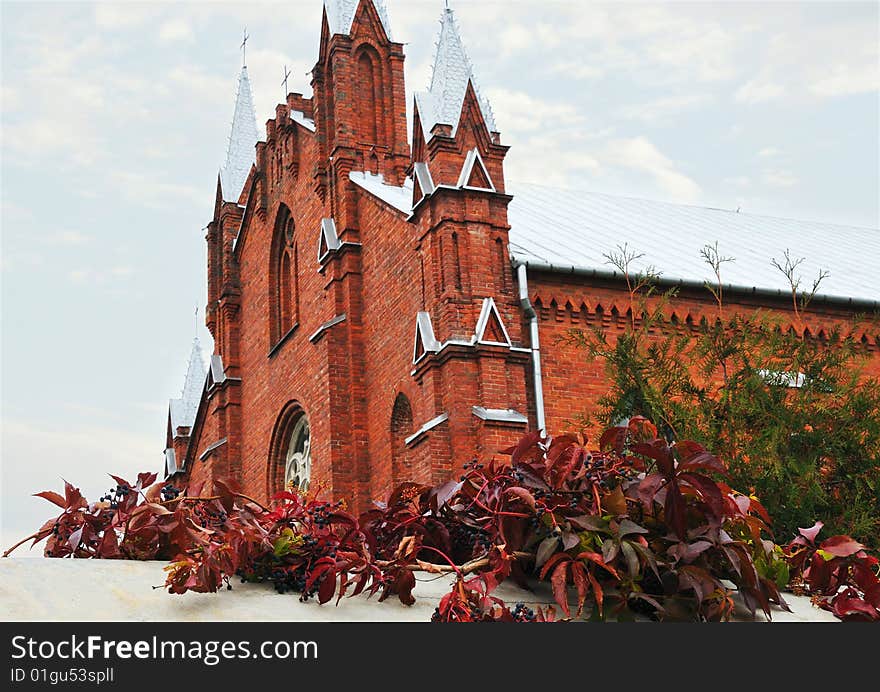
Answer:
x=340 y=15
x=240 y=153
x=452 y=71
x=184 y=409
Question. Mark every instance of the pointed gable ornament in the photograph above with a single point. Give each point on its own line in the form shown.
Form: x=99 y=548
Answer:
x=425 y=342
x=490 y=328
x=183 y=410
x=423 y=183
x=328 y=239
x=474 y=174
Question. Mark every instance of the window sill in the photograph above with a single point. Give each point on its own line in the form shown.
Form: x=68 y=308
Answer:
x=282 y=340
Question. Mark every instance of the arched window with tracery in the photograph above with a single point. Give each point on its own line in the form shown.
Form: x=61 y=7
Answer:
x=401 y=428
x=283 y=277
x=290 y=459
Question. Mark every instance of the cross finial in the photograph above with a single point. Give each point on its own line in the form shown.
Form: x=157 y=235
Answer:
x=244 y=47
x=284 y=81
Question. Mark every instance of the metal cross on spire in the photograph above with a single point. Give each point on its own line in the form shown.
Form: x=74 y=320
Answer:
x=244 y=47
x=284 y=81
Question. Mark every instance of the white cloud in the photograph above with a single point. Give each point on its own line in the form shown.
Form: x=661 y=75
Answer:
x=573 y=69
x=844 y=80
x=68 y=238
x=780 y=178
x=176 y=30
x=768 y=152
x=756 y=91
x=516 y=111
x=641 y=155
x=738 y=181
x=665 y=107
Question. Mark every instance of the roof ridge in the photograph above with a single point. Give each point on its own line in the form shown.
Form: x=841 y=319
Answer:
x=513 y=184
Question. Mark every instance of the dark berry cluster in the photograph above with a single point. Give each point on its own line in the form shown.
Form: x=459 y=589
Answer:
x=320 y=513
x=116 y=495
x=522 y=613
x=169 y=492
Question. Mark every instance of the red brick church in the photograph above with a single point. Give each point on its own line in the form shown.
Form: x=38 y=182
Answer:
x=385 y=305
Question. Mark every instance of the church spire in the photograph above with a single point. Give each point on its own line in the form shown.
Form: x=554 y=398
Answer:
x=340 y=15
x=442 y=103
x=240 y=154
x=184 y=409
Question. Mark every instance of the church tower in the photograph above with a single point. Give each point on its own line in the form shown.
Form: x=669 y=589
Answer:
x=360 y=104
x=469 y=331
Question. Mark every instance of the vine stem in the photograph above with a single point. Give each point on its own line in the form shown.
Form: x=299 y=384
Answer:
x=215 y=497
x=38 y=535
x=466 y=568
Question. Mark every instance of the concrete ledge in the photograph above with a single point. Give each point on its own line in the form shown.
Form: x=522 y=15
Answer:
x=121 y=590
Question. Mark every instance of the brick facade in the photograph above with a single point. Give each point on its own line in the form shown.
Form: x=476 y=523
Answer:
x=329 y=330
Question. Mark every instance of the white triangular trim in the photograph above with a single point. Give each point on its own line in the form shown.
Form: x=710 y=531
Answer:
x=473 y=157
x=423 y=176
x=425 y=336
x=489 y=309
x=328 y=239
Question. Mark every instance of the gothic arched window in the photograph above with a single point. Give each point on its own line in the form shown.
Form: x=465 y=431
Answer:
x=401 y=428
x=283 y=278
x=369 y=88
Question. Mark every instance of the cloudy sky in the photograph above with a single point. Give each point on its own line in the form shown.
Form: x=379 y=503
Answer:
x=115 y=119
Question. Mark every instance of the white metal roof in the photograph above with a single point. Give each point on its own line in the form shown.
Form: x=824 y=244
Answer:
x=398 y=197
x=451 y=73
x=340 y=15
x=183 y=410
x=573 y=230
x=241 y=152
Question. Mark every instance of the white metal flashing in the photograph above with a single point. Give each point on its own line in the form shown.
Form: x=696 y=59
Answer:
x=499 y=415
x=328 y=240
x=472 y=159
x=218 y=372
x=319 y=332
x=423 y=175
x=489 y=311
x=424 y=337
x=170 y=462
x=433 y=423
x=300 y=117
x=210 y=448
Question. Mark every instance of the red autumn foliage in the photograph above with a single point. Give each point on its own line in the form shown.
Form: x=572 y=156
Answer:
x=642 y=527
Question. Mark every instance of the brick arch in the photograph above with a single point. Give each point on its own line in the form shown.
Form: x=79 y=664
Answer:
x=402 y=426
x=283 y=299
x=290 y=415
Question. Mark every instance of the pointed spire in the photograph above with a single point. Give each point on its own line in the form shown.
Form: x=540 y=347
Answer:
x=184 y=409
x=240 y=154
x=340 y=15
x=452 y=71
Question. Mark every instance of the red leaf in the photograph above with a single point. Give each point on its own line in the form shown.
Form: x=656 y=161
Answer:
x=810 y=534
x=688 y=449
x=674 y=510
x=642 y=429
x=613 y=438
x=522 y=494
x=552 y=561
x=72 y=497
x=597 y=591
x=841 y=546
x=145 y=480
x=597 y=559
x=54 y=498
x=579 y=577
x=849 y=607
x=708 y=490
x=704 y=460
x=524 y=445
x=659 y=451
x=560 y=592
x=75 y=538
x=545 y=551
x=328 y=586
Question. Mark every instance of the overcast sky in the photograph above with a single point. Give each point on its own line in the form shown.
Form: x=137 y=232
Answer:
x=115 y=119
